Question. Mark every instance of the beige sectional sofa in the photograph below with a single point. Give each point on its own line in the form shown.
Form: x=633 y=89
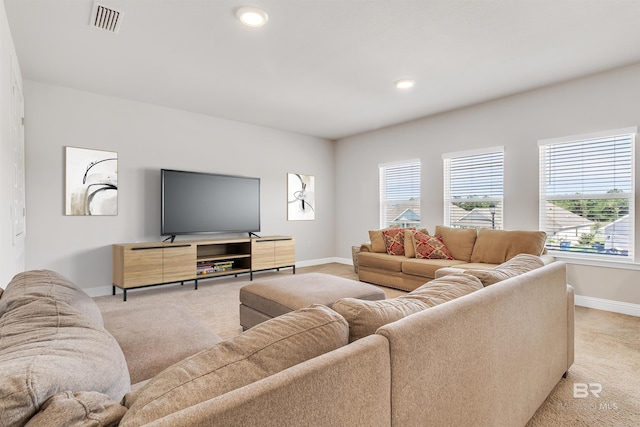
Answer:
x=469 y=249
x=452 y=352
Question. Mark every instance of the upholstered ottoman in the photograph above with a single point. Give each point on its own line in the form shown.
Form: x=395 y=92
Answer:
x=264 y=300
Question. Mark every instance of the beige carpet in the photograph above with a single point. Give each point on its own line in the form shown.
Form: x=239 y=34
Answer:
x=607 y=348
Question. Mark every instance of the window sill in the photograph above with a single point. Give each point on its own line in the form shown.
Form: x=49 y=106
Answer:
x=595 y=260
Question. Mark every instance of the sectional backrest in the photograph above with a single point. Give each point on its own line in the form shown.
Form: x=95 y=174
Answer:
x=497 y=352
x=350 y=385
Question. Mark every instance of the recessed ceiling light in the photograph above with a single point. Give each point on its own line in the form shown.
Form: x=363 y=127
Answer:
x=405 y=84
x=252 y=16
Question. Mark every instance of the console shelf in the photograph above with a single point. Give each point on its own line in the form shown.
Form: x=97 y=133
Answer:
x=137 y=265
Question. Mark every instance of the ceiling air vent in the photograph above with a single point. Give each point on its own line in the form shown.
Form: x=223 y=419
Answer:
x=105 y=18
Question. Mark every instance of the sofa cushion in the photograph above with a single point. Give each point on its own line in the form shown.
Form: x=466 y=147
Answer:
x=262 y=351
x=446 y=288
x=394 y=241
x=52 y=340
x=498 y=246
x=365 y=317
x=459 y=241
x=475 y=266
x=430 y=247
x=380 y=261
x=84 y=409
x=427 y=267
x=377 y=241
x=517 y=265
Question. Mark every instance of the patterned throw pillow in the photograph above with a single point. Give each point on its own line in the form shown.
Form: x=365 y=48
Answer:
x=430 y=247
x=394 y=240
x=409 y=245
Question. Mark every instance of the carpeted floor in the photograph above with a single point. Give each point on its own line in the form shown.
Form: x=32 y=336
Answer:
x=607 y=347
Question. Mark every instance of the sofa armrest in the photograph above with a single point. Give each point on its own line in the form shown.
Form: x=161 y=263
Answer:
x=570 y=325
x=441 y=272
x=547 y=259
x=366 y=247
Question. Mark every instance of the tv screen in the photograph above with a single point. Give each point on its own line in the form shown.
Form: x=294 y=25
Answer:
x=196 y=202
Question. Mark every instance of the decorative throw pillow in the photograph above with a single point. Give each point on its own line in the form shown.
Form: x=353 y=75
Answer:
x=409 y=243
x=394 y=240
x=459 y=241
x=498 y=246
x=377 y=241
x=430 y=247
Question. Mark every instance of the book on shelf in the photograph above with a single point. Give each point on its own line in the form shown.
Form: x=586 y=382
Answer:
x=208 y=267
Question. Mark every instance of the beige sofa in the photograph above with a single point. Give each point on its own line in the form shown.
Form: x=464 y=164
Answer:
x=469 y=249
x=459 y=354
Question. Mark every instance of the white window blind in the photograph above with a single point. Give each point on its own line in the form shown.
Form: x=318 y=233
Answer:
x=473 y=188
x=400 y=194
x=587 y=193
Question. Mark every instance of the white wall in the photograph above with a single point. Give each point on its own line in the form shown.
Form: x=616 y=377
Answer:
x=601 y=102
x=12 y=250
x=148 y=138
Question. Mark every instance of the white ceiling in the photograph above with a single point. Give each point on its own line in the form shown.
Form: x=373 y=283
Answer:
x=323 y=67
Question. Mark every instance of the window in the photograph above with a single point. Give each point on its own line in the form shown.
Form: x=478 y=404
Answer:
x=400 y=194
x=473 y=188
x=587 y=193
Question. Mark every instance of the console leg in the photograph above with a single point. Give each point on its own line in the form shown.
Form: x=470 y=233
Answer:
x=124 y=295
x=294 y=269
x=113 y=290
x=196 y=284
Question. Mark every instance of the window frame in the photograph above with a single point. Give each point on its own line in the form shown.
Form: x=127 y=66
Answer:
x=585 y=257
x=497 y=217
x=385 y=202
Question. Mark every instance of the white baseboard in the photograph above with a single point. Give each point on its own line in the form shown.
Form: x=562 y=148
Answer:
x=320 y=261
x=608 y=305
x=99 y=291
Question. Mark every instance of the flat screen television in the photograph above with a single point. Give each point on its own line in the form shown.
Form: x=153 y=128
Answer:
x=197 y=202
